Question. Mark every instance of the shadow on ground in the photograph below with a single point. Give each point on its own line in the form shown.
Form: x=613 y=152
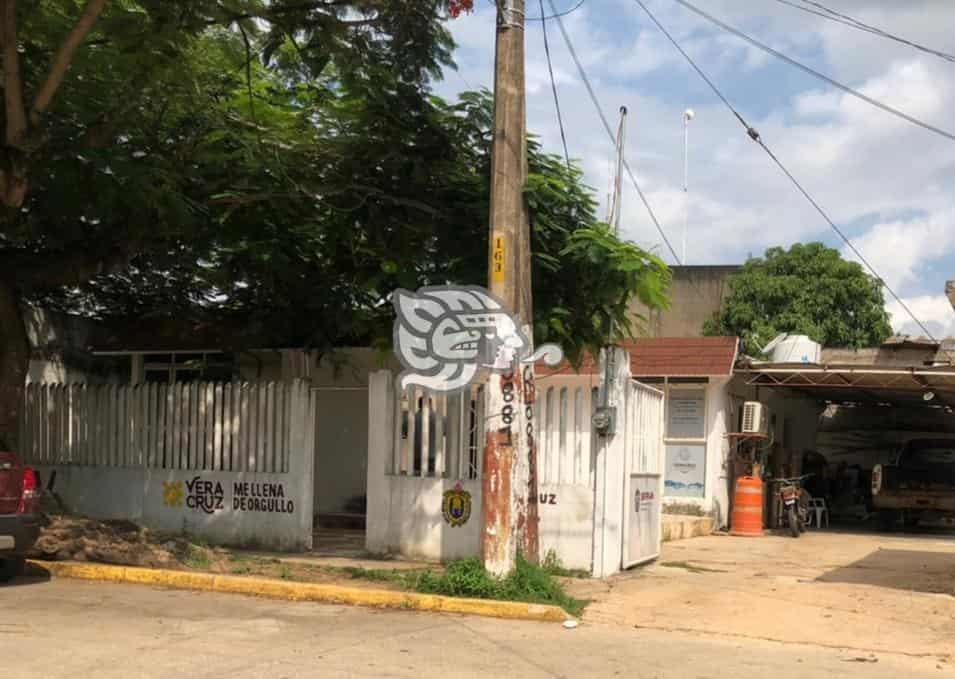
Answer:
x=32 y=575
x=906 y=569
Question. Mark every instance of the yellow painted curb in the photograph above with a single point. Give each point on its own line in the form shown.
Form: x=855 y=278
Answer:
x=303 y=591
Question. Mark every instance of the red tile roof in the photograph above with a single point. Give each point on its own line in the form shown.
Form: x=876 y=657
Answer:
x=666 y=357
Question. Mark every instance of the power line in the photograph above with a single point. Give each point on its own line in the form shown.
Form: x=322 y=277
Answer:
x=610 y=134
x=835 y=83
x=542 y=17
x=553 y=87
x=754 y=135
x=821 y=10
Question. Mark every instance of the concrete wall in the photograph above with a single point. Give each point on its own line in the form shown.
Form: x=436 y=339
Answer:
x=567 y=523
x=696 y=293
x=233 y=513
x=58 y=349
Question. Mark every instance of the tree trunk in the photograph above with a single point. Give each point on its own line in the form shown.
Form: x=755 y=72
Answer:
x=14 y=363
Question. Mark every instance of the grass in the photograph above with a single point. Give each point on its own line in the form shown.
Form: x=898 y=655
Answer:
x=196 y=557
x=468 y=578
x=690 y=567
x=553 y=565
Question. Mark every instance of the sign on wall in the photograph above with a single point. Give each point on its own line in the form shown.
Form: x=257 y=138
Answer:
x=686 y=412
x=686 y=470
x=210 y=496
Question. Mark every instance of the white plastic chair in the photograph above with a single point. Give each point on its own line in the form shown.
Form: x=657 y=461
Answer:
x=817 y=508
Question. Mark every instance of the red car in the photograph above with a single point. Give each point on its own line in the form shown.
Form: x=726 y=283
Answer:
x=19 y=514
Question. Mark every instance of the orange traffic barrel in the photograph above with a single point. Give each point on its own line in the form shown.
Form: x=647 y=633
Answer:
x=747 y=519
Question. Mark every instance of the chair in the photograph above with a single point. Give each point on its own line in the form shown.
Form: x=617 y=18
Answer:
x=818 y=509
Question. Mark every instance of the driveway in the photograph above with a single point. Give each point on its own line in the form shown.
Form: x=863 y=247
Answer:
x=64 y=628
x=862 y=591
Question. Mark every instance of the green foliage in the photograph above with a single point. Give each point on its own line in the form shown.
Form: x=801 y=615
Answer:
x=552 y=565
x=277 y=168
x=527 y=582
x=808 y=290
x=468 y=578
x=197 y=557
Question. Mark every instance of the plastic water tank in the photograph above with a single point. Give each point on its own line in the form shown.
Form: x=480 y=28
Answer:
x=794 y=349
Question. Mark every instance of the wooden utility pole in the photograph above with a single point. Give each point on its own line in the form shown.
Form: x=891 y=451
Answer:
x=510 y=519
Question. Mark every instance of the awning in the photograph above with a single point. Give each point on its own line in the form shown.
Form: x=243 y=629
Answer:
x=857 y=383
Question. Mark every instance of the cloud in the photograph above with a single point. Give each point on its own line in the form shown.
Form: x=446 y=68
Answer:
x=901 y=250
x=934 y=311
x=877 y=176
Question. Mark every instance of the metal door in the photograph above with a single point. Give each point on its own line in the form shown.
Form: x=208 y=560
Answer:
x=643 y=521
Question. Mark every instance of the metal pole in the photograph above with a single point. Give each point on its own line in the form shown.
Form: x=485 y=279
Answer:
x=687 y=117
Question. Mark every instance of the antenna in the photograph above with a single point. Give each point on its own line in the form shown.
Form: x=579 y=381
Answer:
x=613 y=219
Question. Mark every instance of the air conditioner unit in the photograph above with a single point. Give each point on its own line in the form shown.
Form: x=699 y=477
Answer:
x=755 y=416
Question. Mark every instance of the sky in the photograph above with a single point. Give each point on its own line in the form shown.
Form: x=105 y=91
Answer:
x=887 y=183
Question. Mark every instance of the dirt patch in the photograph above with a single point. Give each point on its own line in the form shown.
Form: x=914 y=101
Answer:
x=123 y=543
x=114 y=542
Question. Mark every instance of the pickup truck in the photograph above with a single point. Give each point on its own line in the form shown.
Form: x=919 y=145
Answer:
x=920 y=483
x=19 y=514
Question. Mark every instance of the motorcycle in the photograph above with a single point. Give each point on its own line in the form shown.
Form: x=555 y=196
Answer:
x=795 y=503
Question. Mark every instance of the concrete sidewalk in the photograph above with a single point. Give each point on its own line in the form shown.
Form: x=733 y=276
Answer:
x=67 y=628
x=870 y=592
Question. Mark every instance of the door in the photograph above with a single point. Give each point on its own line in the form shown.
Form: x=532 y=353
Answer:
x=643 y=520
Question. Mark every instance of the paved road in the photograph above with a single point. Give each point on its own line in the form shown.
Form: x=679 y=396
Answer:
x=67 y=628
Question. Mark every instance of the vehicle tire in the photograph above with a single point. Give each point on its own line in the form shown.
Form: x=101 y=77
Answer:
x=793 y=521
x=910 y=520
x=10 y=568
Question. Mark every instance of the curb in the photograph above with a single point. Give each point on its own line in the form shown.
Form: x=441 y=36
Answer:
x=303 y=591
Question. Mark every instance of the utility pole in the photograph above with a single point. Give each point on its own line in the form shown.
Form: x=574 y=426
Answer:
x=510 y=519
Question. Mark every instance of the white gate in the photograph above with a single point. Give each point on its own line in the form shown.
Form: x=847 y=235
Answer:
x=643 y=481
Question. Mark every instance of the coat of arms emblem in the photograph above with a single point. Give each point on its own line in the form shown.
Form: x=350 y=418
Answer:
x=456 y=506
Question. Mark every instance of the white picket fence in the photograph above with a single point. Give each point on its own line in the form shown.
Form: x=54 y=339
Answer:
x=450 y=446
x=229 y=427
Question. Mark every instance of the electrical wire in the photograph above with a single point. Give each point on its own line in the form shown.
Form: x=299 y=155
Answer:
x=754 y=135
x=553 y=87
x=610 y=134
x=555 y=15
x=811 y=71
x=821 y=10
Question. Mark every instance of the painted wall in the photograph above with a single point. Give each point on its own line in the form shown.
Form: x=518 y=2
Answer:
x=405 y=517
x=567 y=523
x=696 y=293
x=272 y=511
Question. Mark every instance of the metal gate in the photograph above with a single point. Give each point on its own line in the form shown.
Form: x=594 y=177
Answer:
x=643 y=475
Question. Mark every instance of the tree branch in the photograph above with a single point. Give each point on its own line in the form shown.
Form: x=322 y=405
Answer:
x=48 y=270
x=12 y=87
x=61 y=62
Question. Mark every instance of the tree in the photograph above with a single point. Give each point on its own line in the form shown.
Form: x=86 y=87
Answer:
x=808 y=290
x=110 y=108
x=273 y=170
x=405 y=204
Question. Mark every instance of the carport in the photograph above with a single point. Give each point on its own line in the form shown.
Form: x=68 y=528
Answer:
x=853 y=409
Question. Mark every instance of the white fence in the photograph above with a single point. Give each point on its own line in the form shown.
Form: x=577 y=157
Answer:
x=233 y=462
x=450 y=446
x=416 y=469
x=201 y=425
